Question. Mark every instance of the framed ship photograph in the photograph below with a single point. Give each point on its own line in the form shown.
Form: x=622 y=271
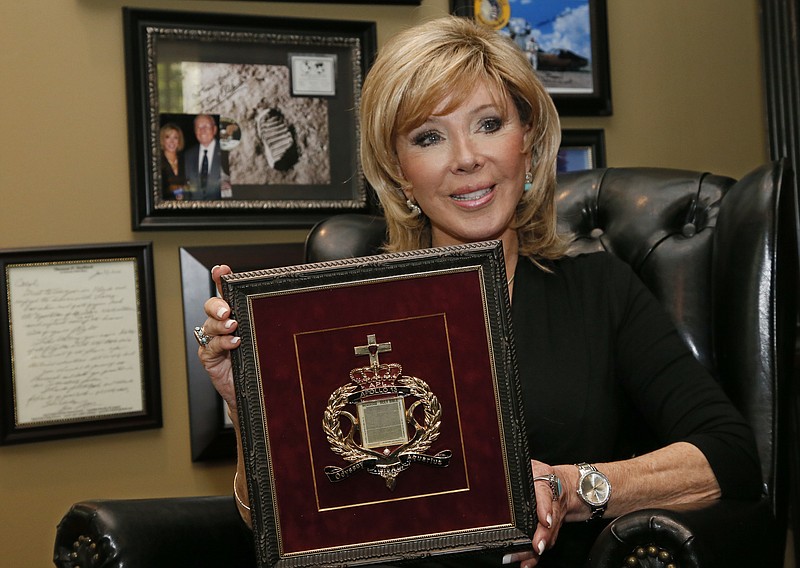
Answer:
x=381 y=412
x=566 y=42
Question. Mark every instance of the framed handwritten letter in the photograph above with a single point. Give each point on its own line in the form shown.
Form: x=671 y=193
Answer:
x=79 y=346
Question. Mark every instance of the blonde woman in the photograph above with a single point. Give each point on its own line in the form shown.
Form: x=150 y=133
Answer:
x=459 y=139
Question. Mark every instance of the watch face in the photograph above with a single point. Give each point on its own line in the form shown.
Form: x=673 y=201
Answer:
x=594 y=489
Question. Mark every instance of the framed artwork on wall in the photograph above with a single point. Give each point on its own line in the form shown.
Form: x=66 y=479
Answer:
x=581 y=149
x=78 y=342
x=212 y=436
x=243 y=121
x=566 y=41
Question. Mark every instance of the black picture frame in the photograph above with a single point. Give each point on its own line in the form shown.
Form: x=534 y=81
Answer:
x=398 y=2
x=572 y=91
x=212 y=436
x=279 y=98
x=301 y=332
x=78 y=342
x=581 y=149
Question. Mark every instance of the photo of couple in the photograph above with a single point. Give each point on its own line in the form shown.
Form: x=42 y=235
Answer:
x=195 y=172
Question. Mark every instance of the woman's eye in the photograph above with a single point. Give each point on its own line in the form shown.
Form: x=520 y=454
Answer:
x=427 y=138
x=491 y=124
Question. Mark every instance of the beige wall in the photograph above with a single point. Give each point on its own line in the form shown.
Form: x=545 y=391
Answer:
x=686 y=83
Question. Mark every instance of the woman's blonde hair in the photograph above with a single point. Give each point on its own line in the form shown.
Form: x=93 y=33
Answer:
x=421 y=67
x=166 y=129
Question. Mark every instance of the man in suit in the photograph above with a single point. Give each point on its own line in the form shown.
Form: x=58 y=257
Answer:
x=204 y=169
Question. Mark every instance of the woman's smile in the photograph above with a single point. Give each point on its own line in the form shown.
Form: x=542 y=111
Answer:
x=473 y=198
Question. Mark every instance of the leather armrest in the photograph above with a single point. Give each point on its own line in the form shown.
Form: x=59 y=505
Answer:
x=700 y=535
x=157 y=533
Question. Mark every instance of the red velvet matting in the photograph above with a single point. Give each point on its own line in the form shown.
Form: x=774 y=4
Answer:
x=438 y=329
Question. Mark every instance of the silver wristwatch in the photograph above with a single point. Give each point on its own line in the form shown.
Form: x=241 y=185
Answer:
x=594 y=489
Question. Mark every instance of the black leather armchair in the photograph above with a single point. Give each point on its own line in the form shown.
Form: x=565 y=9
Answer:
x=720 y=254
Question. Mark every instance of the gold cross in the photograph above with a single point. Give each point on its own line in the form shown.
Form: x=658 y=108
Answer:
x=372 y=348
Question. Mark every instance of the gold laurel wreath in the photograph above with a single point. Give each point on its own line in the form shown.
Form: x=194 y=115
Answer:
x=332 y=426
x=350 y=451
x=433 y=414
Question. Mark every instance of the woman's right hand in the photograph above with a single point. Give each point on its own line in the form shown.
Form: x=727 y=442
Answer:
x=215 y=356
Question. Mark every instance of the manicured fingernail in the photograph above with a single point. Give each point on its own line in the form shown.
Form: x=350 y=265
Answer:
x=513 y=557
x=229 y=324
x=541 y=546
x=549 y=521
x=235 y=340
x=221 y=312
x=213 y=268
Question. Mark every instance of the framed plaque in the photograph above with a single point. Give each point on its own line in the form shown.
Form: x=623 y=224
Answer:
x=380 y=408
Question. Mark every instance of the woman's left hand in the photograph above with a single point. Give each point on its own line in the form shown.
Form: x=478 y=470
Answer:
x=550 y=512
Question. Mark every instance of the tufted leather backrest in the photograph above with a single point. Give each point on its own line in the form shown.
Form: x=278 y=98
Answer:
x=661 y=223
x=719 y=254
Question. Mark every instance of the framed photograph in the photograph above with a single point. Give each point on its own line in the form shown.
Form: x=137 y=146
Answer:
x=244 y=121
x=581 y=149
x=79 y=345
x=566 y=41
x=371 y=398
x=211 y=428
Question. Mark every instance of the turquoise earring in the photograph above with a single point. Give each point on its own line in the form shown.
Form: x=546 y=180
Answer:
x=528 y=181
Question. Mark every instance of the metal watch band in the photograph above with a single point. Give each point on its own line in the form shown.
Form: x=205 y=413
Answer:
x=597 y=511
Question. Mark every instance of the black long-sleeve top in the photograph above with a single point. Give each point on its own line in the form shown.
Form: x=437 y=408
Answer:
x=606 y=376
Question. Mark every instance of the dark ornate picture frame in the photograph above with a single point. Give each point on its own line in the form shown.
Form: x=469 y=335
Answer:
x=212 y=436
x=280 y=99
x=582 y=149
x=78 y=342
x=398 y=2
x=579 y=83
x=301 y=366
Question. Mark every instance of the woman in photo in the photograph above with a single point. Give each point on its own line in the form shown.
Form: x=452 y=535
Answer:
x=173 y=168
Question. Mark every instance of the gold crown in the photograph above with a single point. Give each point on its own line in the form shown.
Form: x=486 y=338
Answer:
x=378 y=376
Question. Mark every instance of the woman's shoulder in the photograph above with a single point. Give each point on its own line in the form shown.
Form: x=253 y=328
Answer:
x=595 y=265
x=598 y=277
